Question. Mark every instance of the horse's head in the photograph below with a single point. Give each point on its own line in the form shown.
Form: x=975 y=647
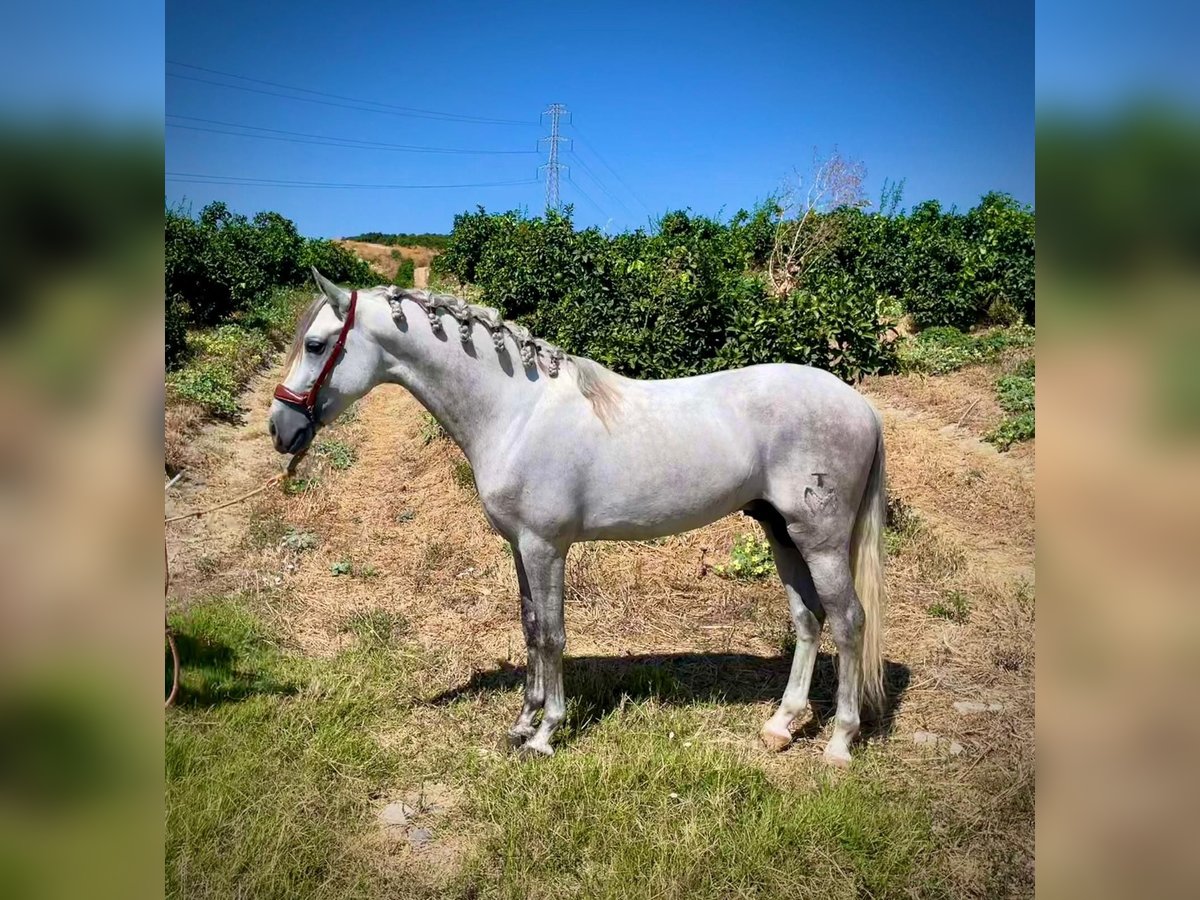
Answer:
x=333 y=361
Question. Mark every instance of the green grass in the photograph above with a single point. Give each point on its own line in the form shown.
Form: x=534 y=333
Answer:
x=636 y=813
x=376 y=627
x=270 y=761
x=954 y=607
x=274 y=776
x=936 y=351
x=338 y=454
x=348 y=567
x=431 y=430
x=301 y=485
x=462 y=475
x=902 y=527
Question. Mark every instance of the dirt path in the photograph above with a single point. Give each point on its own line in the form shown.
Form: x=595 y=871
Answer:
x=421 y=277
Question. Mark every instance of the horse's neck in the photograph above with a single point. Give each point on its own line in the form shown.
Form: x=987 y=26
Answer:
x=467 y=392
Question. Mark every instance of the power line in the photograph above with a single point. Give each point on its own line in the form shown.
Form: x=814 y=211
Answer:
x=386 y=110
x=296 y=137
x=488 y=120
x=555 y=111
x=588 y=144
x=596 y=206
x=202 y=178
x=600 y=184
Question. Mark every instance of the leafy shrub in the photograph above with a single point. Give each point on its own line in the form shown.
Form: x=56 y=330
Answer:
x=177 y=315
x=750 y=559
x=431 y=430
x=405 y=273
x=462 y=475
x=1015 y=393
x=673 y=303
x=1016 y=396
x=222 y=361
x=1012 y=431
x=432 y=241
x=943 y=348
x=221 y=265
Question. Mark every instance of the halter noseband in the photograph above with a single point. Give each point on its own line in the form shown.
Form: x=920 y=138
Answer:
x=307 y=402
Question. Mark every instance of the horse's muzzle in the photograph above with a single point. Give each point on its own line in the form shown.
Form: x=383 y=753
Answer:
x=290 y=428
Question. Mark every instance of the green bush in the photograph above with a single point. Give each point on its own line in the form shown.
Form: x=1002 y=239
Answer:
x=675 y=302
x=221 y=361
x=432 y=241
x=1012 y=430
x=750 y=559
x=405 y=273
x=1015 y=394
x=947 y=268
x=943 y=348
x=220 y=266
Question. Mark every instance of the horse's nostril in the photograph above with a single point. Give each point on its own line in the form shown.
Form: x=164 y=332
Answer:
x=271 y=428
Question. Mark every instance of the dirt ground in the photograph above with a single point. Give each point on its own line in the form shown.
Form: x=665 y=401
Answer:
x=964 y=543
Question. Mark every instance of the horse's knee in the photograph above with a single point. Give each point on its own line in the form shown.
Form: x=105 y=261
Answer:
x=552 y=640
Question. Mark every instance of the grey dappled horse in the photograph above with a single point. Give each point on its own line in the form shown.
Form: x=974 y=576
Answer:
x=563 y=450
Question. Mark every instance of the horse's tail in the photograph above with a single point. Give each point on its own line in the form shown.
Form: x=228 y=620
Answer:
x=866 y=561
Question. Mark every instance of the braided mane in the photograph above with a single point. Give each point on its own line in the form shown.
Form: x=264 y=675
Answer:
x=596 y=383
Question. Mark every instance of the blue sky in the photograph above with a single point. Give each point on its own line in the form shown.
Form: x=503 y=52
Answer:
x=673 y=105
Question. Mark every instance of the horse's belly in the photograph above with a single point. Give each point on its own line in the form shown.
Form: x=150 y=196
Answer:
x=672 y=487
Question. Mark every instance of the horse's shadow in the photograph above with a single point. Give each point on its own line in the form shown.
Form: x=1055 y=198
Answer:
x=598 y=685
x=213 y=673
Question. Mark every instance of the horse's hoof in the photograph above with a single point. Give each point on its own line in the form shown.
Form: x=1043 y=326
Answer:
x=518 y=736
x=534 y=749
x=775 y=741
x=837 y=757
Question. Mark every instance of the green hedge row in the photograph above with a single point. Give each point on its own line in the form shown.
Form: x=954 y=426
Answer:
x=692 y=295
x=222 y=267
x=432 y=241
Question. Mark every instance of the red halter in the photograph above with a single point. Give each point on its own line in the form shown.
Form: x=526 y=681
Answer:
x=307 y=402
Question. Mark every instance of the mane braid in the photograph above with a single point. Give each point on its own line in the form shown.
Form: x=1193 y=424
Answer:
x=595 y=382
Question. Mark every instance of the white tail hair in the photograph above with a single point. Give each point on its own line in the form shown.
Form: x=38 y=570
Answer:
x=866 y=562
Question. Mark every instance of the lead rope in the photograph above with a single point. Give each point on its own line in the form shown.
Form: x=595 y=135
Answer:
x=195 y=514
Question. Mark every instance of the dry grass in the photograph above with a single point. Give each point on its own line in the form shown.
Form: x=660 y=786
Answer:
x=648 y=627
x=182 y=421
x=380 y=257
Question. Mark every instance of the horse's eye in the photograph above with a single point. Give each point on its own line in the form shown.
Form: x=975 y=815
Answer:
x=312 y=345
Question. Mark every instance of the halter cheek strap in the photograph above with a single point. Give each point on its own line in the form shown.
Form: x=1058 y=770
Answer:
x=307 y=402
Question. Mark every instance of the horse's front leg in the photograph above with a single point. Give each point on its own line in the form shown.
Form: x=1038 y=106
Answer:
x=524 y=728
x=544 y=565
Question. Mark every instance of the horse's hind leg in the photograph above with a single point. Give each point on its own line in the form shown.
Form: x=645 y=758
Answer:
x=829 y=566
x=807 y=616
x=523 y=728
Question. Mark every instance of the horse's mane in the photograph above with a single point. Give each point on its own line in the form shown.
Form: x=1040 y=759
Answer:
x=597 y=384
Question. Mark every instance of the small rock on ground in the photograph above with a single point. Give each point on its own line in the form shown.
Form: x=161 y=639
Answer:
x=395 y=813
x=420 y=837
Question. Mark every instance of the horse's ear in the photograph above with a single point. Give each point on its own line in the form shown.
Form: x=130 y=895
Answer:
x=339 y=299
